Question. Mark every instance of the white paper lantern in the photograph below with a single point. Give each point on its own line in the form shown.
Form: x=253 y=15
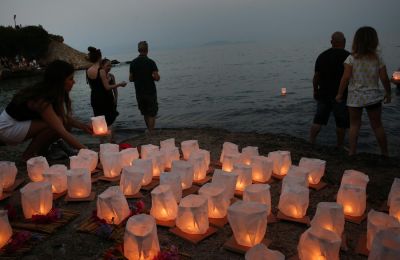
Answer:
x=394 y=191
x=228 y=148
x=353 y=199
x=99 y=125
x=319 y=243
x=244 y=173
x=261 y=167
x=281 y=162
x=128 y=156
x=188 y=147
x=92 y=156
x=217 y=202
x=229 y=161
x=168 y=144
x=140 y=238
x=158 y=159
x=112 y=206
x=296 y=175
x=163 y=203
x=394 y=209
x=171 y=154
x=207 y=156
x=8 y=172
x=185 y=170
x=248 y=221
x=131 y=180
x=226 y=180
x=330 y=216
x=145 y=165
x=294 y=201
x=36 y=199
x=315 y=167
x=193 y=215
x=199 y=164
x=108 y=148
x=247 y=154
x=378 y=221
x=258 y=193
x=79 y=162
x=112 y=166
x=57 y=176
x=262 y=252
x=35 y=167
x=396 y=75
x=147 y=150
x=5 y=228
x=79 y=183
x=355 y=178
x=173 y=179
x=386 y=244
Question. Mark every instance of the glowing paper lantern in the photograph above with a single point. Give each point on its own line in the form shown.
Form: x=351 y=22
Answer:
x=258 y=193
x=108 y=148
x=92 y=156
x=248 y=221
x=99 y=125
x=35 y=167
x=131 y=180
x=296 y=175
x=217 y=202
x=386 y=244
x=140 y=238
x=396 y=75
x=5 y=228
x=283 y=91
x=111 y=162
x=226 y=180
x=353 y=199
x=261 y=252
x=294 y=200
x=378 y=221
x=128 y=156
x=261 y=168
x=145 y=165
x=206 y=155
x=36 y=199
x=147 y=150
x=171 y=154
x=228 y=148
x=163 y=203
x=229 y=161
x=244 y=173
x=158 y=162
x=168 y=144
x=315 y=167
x=199 y=163
x=112 y=206
x=193 y=215
x=281 y=162
x=173 y=179
x=79 y=183
x=188 y=147
x=330 y=216
x=319 y=243
x=394 y=191
x=355 y=178
x=185 y=170
x=79 y=162
x=394 y=209
x=8 y=172
x=248 y=153
x=1 y=190
x=57 y=176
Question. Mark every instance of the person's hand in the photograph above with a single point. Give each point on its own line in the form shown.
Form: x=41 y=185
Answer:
x=387 y=98
x=87 y=128
x=339 y=98
x=122 y=84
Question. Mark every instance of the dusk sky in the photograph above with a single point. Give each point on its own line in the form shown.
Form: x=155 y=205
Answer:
x=117 y=24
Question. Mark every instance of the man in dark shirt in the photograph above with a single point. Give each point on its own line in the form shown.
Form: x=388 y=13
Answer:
x=143 y=72
x=328 y=73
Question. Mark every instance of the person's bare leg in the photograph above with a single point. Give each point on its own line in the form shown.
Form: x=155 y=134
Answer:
x=150 y=123
x=314 y=131
x=355 y=124
x=340 y=134
x=376 y=125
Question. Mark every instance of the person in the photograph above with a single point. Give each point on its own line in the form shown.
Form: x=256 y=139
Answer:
x=106 y=65
x=143 y=72
x=362 y=71
x=101 y=97
x=43 y=113
x=327 y=74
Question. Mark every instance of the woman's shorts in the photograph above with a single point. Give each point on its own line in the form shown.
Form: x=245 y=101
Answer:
x=13 y=132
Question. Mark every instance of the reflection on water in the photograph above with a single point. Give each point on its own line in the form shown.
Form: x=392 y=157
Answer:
x=236 y=87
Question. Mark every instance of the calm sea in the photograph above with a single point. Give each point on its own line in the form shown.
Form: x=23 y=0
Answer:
x=235 y=87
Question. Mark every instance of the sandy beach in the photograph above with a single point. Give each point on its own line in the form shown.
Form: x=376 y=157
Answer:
x=67 y=243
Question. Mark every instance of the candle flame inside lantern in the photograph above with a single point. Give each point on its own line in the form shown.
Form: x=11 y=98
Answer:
x=396 y=75
x=348 y=209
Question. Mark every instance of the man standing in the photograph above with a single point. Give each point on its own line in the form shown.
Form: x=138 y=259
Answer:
x=143 y=72
x=328 y=73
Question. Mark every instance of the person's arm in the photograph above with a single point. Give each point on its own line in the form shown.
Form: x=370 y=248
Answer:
x=155 y=75
x=316 y=84
x=383 y=76
x=106 y=84
x=80 y=125
x=344 y=82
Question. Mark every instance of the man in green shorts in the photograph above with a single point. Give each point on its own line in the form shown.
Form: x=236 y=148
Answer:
x=143 y=72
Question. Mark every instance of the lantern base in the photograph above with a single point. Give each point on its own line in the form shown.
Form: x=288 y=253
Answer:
x=89 y=198
x=203 y=181
x=356 y=220
x=278 y=177
x=272 y=219
x=110 y=179
x=318 y=186
x=193 y=238
x=192 y=190
x=304 y=220
x=234 y=246
x=384 y=207
x=138 y=195
x=361 y=247
x=218 y=222
x=154 y=183
x=270 y=181
x=16 y=184
x=5 y=196
x=56 y=196
x=166 y=223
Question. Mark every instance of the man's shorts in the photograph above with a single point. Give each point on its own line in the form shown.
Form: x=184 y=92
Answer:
x=147 y=104
x=340 y=112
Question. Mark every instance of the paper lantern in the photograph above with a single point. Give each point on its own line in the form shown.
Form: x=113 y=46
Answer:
x=229 y=161
x=79 y=162
x=226 y=180
x=217 y=202
x=330 y=216
x=173 y=179
x=396 y=75
x=36 y=199
x=145 y=165
x=57 y=176
x=188 y=147
x=199 y=164
x=296 y=175
x=92 y=156
x=394 y=209
x=248 y=221
x=5 y=228
x=193 y=215
x=206 y=155
x=158 y=162
x=262 y=252
x=319 y=243
x=128 y=156
x=8 y=172
x=108 y=148
x=131 y=180
x=281 y=162
x=79 y=183
x=378 y=221
x=99 y=125
x=293 y=201
x=171 y=154
x=355 y=178
x=111 y=162
x=147 y=150
x=168 y=144
x=244 y=173
x=185 y=170
x=35 y=167
x=112 y=206
x=248 y=153
x=228 y=148
x=394 y=191
x=261 y=168
x=353 y=199
x=140 y=238
x=386 y=244
x=315 y=167
x=258 y=193
x=163 y=203
x=283 y=91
